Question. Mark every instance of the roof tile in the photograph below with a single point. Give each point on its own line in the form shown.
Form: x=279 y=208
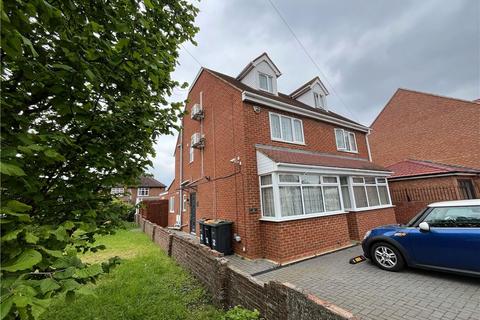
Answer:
x=294 y=156
x=412 y=168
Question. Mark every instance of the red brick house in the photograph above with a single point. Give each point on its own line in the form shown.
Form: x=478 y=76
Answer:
x=293 y=176
x=432 y=145
x=147 y=187
x=415 y=183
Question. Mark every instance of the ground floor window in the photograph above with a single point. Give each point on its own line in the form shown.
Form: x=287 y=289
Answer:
x=293 y=195
x=299 y=195
x=370 y=192
x=171 y=204
x=266 y=188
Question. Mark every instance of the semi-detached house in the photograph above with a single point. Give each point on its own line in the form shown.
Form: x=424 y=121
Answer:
x=294 y=177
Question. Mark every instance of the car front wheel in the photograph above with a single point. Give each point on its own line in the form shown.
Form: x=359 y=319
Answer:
x=387 y=257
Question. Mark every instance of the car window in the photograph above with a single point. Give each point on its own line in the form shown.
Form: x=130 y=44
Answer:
x=464 y=217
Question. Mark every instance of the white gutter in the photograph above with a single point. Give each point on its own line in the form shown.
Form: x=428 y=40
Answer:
x=253 y=97
x=428 y=176
x=332 y=169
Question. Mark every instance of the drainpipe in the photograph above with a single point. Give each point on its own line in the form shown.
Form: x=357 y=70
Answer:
x=368 y=145
x=180 y=209
x=201 y=132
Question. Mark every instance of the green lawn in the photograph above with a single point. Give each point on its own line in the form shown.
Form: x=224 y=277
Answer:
x=146 y=285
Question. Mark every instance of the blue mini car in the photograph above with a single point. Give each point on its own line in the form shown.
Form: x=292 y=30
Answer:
x=444 y=237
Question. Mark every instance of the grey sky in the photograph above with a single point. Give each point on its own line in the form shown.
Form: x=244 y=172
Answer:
x=366 y=50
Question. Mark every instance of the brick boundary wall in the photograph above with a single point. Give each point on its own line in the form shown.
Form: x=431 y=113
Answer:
x=230 y=286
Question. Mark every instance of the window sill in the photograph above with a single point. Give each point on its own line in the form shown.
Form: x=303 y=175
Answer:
x=267 y=91
x=309 y=216
x=371 y=208
x=347 y=151
x=289 y=142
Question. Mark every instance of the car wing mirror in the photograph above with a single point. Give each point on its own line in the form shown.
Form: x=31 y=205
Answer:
x=424 y=226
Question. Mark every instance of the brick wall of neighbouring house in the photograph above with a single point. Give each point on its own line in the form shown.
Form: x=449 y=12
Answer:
x=231 y=287
x=362 y=221
x=422 y=192
x=291 y=240
x=422 y=126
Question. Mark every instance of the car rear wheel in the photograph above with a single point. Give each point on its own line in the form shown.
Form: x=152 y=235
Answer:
x=387 y=257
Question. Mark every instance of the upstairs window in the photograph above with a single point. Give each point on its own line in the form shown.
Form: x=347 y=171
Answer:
x=142 y=192
x=117 y=190
x=319 y=100
x=345 y=140
x=266 y=82
x=286 y=129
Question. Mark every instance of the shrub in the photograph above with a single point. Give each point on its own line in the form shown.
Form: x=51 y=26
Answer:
x=239 y=313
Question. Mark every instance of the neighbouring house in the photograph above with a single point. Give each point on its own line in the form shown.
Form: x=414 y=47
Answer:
x=147 y=187
x=416 y=183
x=293 y=176
x=432 y=145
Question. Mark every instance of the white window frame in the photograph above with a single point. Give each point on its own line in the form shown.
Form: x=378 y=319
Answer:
x=348 y=147
x=364 y=184
x=117 y=190
x=184 y=204
x=171 y=204
x=265 y=186
x=276 y=184
x=277 y=217
x=141 y=194
x=191 y=153
x=269 y=82
x=319 y=100
x=296 y=140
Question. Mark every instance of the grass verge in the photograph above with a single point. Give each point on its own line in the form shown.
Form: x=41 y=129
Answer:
x=146 y=285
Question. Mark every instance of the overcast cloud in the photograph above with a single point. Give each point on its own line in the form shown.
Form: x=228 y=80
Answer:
x=365 y=49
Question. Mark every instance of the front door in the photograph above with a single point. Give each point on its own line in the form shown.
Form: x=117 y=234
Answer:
x=193 y=213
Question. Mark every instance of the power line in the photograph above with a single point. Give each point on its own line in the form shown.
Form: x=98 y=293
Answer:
x=311 y=59
x=191 y=55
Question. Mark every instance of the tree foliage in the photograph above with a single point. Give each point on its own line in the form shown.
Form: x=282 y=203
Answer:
x=84 y=87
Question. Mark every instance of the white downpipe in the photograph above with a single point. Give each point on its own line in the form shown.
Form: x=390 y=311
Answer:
x=180 y=209
x=201 y=132
x=368 y=145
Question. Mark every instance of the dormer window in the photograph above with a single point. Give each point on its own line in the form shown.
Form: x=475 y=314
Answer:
x=265 y=82
x=312 y=93
x=318 y=100
x=261 y=74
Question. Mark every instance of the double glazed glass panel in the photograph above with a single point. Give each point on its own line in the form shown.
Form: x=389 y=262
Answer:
x=287 y=129
x=290 y=201
x=313 y=200
x=267 y=202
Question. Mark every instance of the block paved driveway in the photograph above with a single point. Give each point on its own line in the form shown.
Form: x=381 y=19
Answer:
x=371 y=293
